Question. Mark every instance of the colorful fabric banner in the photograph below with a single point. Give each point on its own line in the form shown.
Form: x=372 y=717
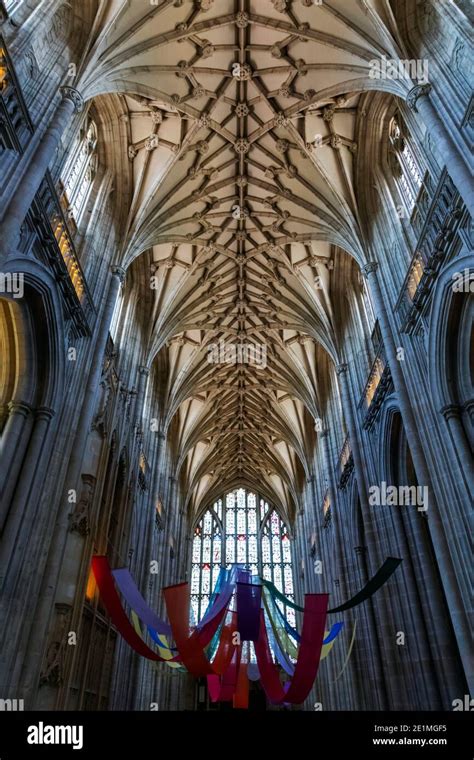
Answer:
x=221 y=602
x=208 y=648
x=349 y=651
x=309 y=654
x=335 y=629
x=229 y=678
x=191 y=647
x=333 y=633
x=226 y=647
x=165 y=652
x=282 y=646
x=111 y=600
x=249 y=598
x=222 y=689
x=240 y=700
x=281 y=656
x=284 y=642
x=381 y=576
x=132 y=596
x=162 y=641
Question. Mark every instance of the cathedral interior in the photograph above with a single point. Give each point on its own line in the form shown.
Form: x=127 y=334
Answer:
x=236 y=319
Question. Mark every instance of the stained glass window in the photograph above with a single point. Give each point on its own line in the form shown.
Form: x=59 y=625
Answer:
x=405 y=163
x=80 y=170
x=240 y=528
x=276 y=556
x=206 y=562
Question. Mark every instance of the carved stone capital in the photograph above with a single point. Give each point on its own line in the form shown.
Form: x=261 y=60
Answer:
x=418 y=91
x=451 y=410
x=341 y=369
x=468 y=406
x=70 y=93
x=145 y=371
x=360 y=550
x=19 y=407
x=118 y=272
x=44 y=413
x=370 y=268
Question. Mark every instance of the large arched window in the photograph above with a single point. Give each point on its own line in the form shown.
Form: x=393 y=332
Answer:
x=242 y=529
x=406 y=165
x=79 y=171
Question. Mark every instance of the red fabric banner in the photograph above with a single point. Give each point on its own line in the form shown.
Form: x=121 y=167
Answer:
x=223 y=689
x=309 y=654
x=111 y=599
x=226 y=648
x=190 y=647
x=241 y=696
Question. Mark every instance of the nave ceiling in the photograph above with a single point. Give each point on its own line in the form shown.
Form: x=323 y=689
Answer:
x=242 y=120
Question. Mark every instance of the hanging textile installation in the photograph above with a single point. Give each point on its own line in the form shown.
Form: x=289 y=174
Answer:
x=244 y=612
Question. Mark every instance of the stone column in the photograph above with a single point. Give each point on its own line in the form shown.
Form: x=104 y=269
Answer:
x=442 y=549
x=23 y=509
x=13 y=444
x=145 y=689
x=90 y=396
x=143 y=373
x=58 y=542
x=370 y=538
x=369 y=649
x=335 y=513
x=419 y=101
x=371 y=273
x=341 y=371
x=310 y=518
x=181 y=546
x=35 y=170
x=468 y=409
x=302 y=539
x=452 y=414
x=173 y=522
x=16 y=546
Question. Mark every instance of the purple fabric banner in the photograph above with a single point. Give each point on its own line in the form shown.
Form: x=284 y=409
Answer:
x=131 y=594
x=249 y=597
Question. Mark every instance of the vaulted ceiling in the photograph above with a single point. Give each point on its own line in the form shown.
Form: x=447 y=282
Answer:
x=242 y=119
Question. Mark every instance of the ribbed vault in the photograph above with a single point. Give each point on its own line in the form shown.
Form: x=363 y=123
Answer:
x=242 y=119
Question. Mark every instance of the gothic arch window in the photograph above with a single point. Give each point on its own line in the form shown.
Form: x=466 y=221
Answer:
x=206 y=559
x=401 y=468
x=240 y=528
x=80 y=170
x=405 y=163
x=368 y=307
